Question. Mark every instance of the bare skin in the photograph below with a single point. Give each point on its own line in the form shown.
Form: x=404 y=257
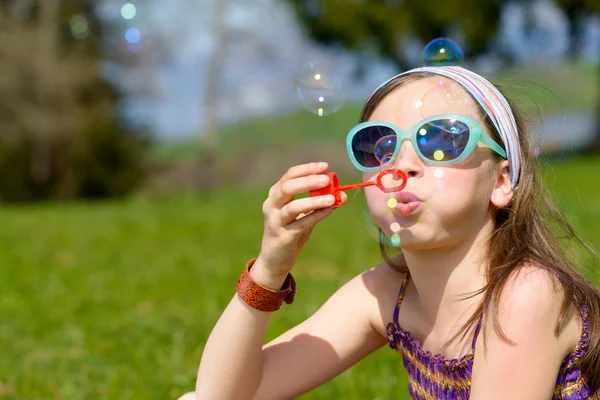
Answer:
x=443 y=245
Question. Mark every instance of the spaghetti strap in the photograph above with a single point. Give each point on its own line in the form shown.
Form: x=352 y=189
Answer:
x=478 y=327
x=476 y=334
x=400 y=297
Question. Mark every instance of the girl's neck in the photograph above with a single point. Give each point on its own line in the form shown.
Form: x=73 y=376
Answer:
x=446 y=274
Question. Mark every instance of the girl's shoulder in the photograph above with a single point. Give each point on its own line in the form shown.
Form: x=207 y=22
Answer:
x=382 y=284
x=533 y=291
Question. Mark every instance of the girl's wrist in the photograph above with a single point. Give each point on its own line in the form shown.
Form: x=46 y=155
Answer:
x=266 y=278
x=262 y=297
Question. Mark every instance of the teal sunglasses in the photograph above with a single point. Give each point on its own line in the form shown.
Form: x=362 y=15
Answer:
x=442 y=140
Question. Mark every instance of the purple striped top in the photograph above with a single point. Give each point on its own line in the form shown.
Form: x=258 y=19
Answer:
x=432 y=376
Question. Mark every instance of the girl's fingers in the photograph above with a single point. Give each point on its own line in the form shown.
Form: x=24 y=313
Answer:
x=344 y=197
x=304 y=169
x=292 y=173
x=299 y=207
x=285 y=191
x=310 y=220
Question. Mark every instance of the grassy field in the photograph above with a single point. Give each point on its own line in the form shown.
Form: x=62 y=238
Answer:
x=115 y=300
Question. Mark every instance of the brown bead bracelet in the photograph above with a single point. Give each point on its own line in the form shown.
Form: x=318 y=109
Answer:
x=263 y=298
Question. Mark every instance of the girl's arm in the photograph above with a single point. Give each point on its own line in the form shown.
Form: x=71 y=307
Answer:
x=236 y=365
x=528 y=311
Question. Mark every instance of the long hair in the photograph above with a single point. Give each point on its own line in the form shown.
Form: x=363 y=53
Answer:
x=522 y=234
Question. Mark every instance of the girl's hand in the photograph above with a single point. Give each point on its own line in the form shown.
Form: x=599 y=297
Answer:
x=288 y=222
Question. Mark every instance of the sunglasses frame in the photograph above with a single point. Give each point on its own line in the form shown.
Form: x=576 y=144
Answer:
x=476 y=135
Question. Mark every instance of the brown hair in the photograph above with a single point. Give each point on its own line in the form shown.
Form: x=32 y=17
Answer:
x=522 y=234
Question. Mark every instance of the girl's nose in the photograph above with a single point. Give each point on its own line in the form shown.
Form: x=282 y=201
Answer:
x=409 y=161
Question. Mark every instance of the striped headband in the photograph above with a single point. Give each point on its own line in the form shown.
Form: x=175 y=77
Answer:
x=492 y=101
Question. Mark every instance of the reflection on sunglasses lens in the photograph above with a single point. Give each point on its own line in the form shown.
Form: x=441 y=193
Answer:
x=364 y=145
x=443 y=139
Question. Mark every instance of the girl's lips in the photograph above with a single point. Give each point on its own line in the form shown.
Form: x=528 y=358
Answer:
x=406 y=197
x=406 y=209
x=408 y=202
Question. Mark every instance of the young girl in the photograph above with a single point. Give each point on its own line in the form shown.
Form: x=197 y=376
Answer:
x=481 y=303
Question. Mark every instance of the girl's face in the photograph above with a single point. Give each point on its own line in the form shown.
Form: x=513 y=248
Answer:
x=454 y=200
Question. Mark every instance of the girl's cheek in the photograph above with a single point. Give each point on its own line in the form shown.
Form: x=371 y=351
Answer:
x=376 y=201
x=374 y=196
x=443 y=179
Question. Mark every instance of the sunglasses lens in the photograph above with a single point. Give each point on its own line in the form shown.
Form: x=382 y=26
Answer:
x=443 y=139
x=373 y=145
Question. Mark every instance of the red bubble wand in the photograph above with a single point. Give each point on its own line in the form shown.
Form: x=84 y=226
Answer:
x=335 y=189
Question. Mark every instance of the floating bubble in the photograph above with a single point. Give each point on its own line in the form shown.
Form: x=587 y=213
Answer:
x=320 y=88
x=395 y=240
x=440 y=184
x=128 y=11
x=395 y=227
x=390 y=178
x=391 y=203
x=442 y=52
x=373 y=229
x=79 y=27
x=133 y=35
x=438 y=173
x=446 y=96
x=134 y=47
x=384 y=150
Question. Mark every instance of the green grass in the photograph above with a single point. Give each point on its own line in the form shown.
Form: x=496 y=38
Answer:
x=560 y=89
x=288 y=129
x=115 y=300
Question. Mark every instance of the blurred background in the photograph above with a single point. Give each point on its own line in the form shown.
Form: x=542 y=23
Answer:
x=138 y=141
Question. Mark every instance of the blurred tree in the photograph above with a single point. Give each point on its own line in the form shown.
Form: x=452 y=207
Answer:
x=61 y=134
x=383 y=25
x=209 y=168
x=576 y=10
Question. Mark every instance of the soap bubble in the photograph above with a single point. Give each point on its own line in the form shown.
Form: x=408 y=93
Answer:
x=79 y=27
x=320 y=88
x=384 y=150
x=442 y=52
x=132 y=35
x=128 y=11
x=373 y=230
x=447 y=96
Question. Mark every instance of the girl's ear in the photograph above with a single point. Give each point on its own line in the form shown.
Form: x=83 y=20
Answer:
x=502 y=193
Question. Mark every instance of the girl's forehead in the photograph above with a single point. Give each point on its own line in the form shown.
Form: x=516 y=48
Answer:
x=423 y=98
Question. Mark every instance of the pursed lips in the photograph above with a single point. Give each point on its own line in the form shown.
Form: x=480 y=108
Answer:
x=406 y=197
x=408 y=203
